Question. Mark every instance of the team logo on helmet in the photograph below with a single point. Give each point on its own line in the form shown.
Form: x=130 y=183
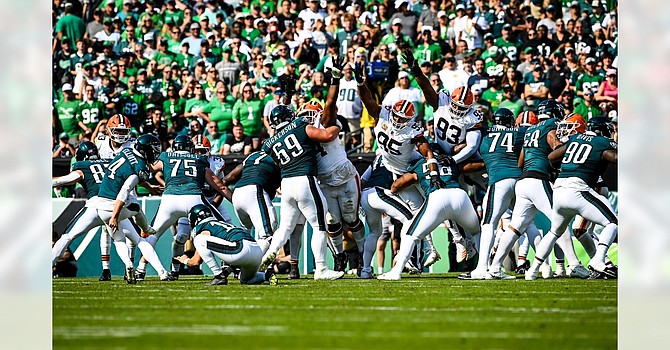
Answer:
x=202 y=144
x=573 y=123
x=118 y=128
x=461 y=102
x=526 y=118
x=402 y=113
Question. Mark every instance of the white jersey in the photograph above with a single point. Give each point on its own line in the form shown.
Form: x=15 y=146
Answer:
x=349 y=102
x=105 y=148
x=216 y=165
x=450 y=132
x=397 y=146
x=334 y=166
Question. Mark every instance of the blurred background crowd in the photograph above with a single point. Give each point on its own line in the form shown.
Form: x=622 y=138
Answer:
x=212 y=66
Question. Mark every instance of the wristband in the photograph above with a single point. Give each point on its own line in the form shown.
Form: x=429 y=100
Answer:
x=360 y=84
x=431 y=161
x=433 y=173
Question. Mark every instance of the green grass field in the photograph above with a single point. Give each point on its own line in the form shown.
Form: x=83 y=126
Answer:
x=418 y=312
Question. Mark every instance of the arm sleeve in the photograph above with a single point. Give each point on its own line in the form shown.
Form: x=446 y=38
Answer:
x=128 y=187
x=472 y=139
x=73 y=176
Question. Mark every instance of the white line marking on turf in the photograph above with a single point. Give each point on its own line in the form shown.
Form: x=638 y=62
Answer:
x=134 y=331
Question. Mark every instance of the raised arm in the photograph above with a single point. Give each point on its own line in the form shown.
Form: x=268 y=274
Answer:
x=366 y=96
x=429 y=93
x=329 y=117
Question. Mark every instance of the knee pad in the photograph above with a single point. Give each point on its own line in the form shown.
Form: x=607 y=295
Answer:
x=181 y=238
x=335 y=229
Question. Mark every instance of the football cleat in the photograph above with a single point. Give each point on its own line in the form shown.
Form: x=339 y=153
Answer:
x=546 y=271
x=268 y=259
x=473 y=275
x=498 y=275
x=359 y=265
x=531 y=275
x=521 y=269
x=560 y=271
x=174 y=275
x=432 y=258
x=578 y=272
x=141 y=275
x=294 y=274
x=366 y=274
x=607 y=271
x=411 y=269
x=165 y=277
x=219 y=280
x=389 y=276
x=106 y=275
x=130 y=275
x=327 y=274
x=340 y=262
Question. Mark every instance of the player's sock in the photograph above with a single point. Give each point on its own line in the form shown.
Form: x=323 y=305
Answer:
x=105 y=248
x=358 y=231
x=587 y=242
x=607 y=236
x=507 y=240
x=296 y=242
x=122 y=250
x=524 y=245
x=380 y=270
x=534 y=236
x=545 y=246
x=150 y=255
x=142 y=265
x=406 y=245
x=520 y=260
x=177 y=250
x=131 y=249
x=336 y=240
x=565 y=241
x=485 y=243
x=369 y=250
x=319 y=249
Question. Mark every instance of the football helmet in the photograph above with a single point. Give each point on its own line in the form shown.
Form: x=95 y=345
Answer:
x=550 y=108
x=599 y=125
x=198 y=214
x=183 y=143
x=280 y=116
x=402 y=113
x=118 y=128
x=311 y=111
x=573 y=123
x=461 y=102
x=526 y=118
x=87 y=151
x=148 y=147
x=202 y=144
x=503 y=117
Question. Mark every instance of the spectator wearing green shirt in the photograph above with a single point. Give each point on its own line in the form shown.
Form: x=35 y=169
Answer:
x=174 y=107
x=69 y=26
x=249 y=31
x=589 y=80
x=215 y=138
x=173 y=13
x=133 y=104
x=196 y=105
x=511 y=101
x=220 y=109
x=493 y=95
x=248 y=111
x=428 y=50
x=66 y=109
x=391 y=38
x=587 y=108
x=89 y=112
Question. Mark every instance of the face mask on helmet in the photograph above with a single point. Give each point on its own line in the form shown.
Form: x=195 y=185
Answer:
x=310 y=115
x=569 y=126
x=399 y=121
x=461 y=103
x=402 y=113
x=120 y=134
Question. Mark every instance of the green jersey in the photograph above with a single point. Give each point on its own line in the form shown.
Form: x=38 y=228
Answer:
x=536 y=149
x=67 y=114
x=221 y=113
x=583 y=157
x=587 y=111
x=260 y=170
x=448 y=174
x=123 y=166
x=94 y=171
x=226 y=232
x=429 y=52
x=184 y=172
x=493 y=97
x=379 y=175
x=588 y=83
x=500 y=150
x=90 y=113
x=250 y=115
x=511 y=49
x=293 y=150
x=134 y=107
x=177 y=17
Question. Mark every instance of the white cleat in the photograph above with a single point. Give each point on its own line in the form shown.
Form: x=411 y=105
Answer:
x=545 y=270
x=578 y=272
x=411 y=269
x=499 y=275
x=433 y=257
x=598 y=266
x=473 y=275
x=268 y=259
x=461 y=252
x=327 y=274
x=367 y=274
x=389 y=276
x=560 y=271
x=531 y=275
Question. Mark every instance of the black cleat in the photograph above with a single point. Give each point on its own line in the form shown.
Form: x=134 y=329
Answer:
x=340 y=262
x=294 y=274
x=359 y=265
x=521 y=269
x=220 y=279
x=168 y=277
x=174 y=275
x=611 y=272
x=139 y=275
x=106 y=275
x=130 y=275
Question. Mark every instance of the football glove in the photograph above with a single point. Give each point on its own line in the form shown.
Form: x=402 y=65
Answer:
x=435 y=180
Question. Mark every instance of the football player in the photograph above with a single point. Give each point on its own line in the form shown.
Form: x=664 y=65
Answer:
x=583 y=159
x=109 y=146
x=293 y=147
x=233 y=245
x=534 y=191
x=400 y=140
x=448 y=202
x=116 y=202
x=185 y=174
x=500 y=150
x=377 y=199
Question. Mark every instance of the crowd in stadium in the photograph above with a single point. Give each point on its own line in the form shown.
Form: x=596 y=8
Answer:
x=221 y=70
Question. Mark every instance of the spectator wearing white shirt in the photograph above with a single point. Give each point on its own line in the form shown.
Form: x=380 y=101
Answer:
x=107 y=33
x=451 y=76
x=404 y=91
x=472 y=28
x=349 y=103
x=311 y=13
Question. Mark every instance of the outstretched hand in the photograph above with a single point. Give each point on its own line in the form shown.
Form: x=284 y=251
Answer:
x=287 y=84
x=338 y=65
x=408 y=57
x=359 y=72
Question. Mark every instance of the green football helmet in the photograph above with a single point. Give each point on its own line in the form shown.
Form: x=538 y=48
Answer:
x=600 y=125
x=198 y=213
x=148 y=147
x=87 y=151
x=183 y=143
x=280 y=116
x=503 y=117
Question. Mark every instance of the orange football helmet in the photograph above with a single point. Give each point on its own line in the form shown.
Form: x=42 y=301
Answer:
x=461 y=102
x=118 y=128
x=402 y=113
x=202 y=144
x=311 y=111
x=573 y=123
x=526 y=118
